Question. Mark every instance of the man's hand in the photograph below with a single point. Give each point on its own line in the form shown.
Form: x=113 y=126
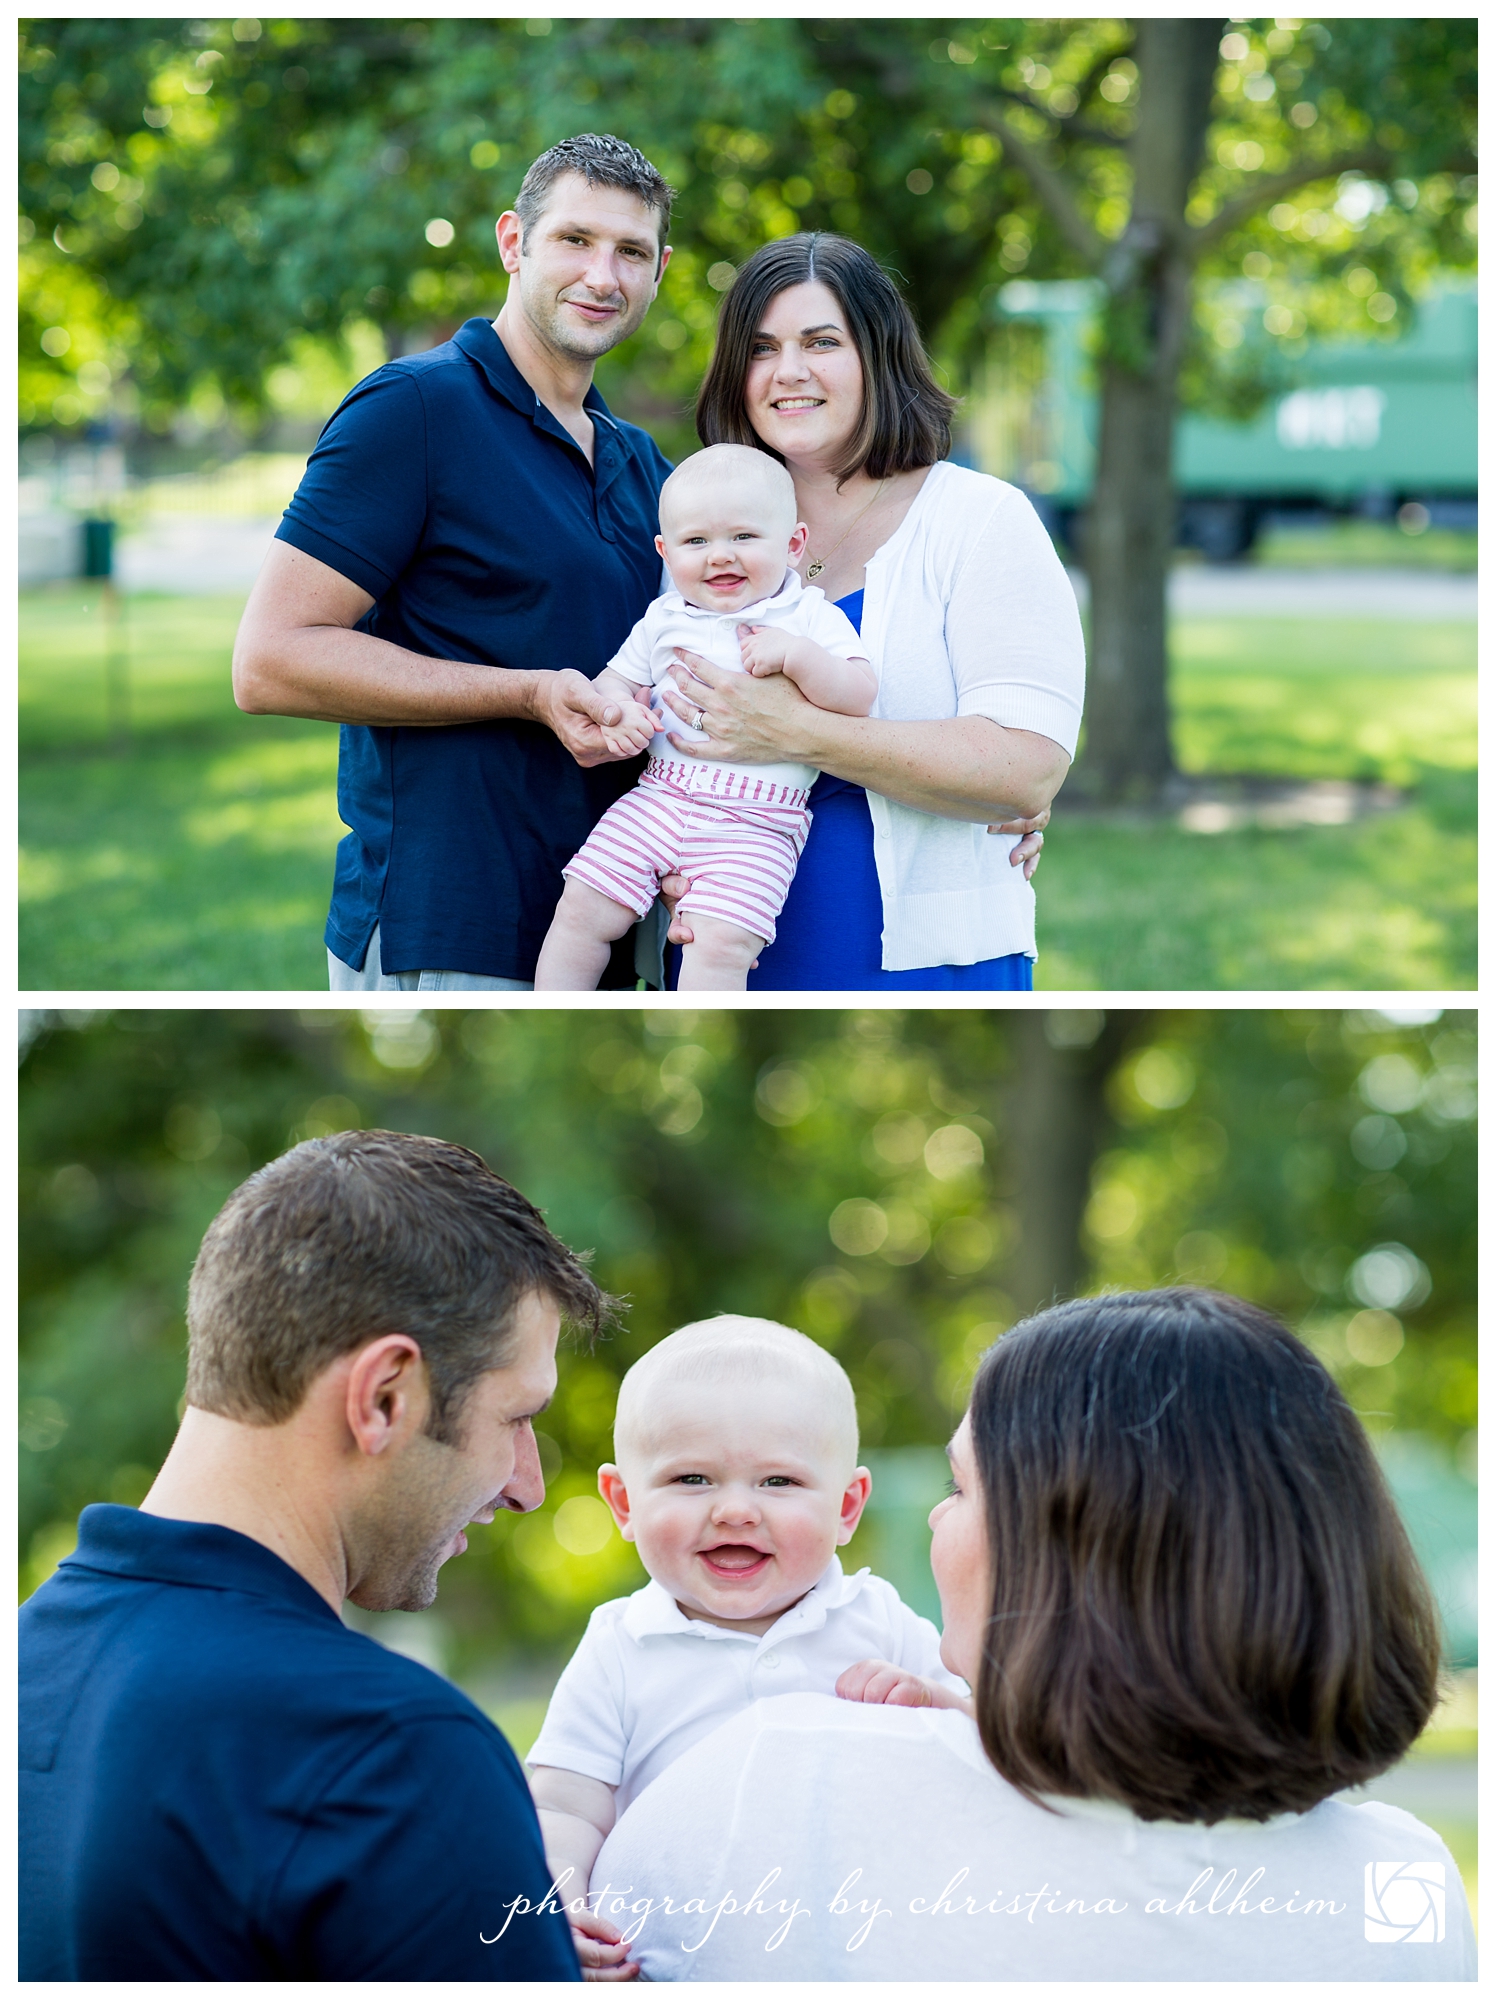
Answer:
x=877 y=1680
x=580 y=713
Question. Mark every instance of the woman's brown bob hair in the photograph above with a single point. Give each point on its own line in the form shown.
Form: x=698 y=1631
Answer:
x=1204 y=1604
x=906 y=415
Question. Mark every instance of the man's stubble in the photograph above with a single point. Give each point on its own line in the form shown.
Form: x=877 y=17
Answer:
x=402 y=1536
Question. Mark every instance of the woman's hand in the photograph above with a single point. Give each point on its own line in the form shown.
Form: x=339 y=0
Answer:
x=1026 y=854
x=747 y=721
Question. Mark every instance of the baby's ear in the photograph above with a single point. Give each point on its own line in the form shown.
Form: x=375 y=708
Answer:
x=615 y=1494
x=796 y=549
x=854 y=1499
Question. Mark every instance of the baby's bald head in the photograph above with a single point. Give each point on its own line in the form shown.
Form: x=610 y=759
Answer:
x=762 y=1356
x=734 y=477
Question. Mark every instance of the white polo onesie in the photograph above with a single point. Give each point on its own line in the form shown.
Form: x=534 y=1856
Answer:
x=647 y=657
x=647 y=1681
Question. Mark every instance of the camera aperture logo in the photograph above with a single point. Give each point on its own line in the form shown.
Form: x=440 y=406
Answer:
x=1405 y=1902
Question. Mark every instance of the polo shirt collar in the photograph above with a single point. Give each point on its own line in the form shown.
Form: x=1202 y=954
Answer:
x=151 y=1548
x=654 y=1613
x=611 y=449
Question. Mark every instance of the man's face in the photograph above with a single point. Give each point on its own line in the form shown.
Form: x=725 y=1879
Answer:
x=413 y=1522
x=587 y=268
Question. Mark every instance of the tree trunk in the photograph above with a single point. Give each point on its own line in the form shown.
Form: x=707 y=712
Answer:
x=1148 y=274
x=1054 y=1125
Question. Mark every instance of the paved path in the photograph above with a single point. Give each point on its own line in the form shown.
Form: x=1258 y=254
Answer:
x=192 y=555
x=197 y=555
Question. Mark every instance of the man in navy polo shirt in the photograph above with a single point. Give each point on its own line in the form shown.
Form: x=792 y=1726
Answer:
x=219 y=1780
x=473 y=539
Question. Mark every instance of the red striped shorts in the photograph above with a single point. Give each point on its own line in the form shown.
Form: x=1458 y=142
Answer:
x=739 y=851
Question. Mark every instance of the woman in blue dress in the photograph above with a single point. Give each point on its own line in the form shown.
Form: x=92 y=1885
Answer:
x=927 y=814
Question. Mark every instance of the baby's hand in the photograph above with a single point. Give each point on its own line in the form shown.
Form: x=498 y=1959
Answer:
x=600 y=1947
x=635 y=730
x=876 y=1680
x=764 y=650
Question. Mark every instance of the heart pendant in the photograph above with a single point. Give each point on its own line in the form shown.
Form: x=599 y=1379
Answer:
x=814 y=571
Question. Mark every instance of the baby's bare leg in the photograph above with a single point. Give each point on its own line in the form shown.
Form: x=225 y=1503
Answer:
x=719 y=959
x=583 y=930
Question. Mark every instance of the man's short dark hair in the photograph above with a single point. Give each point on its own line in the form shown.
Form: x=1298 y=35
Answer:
x=366 y=1233
x=906 y=415
x=1204 y=1604
x=602 y=161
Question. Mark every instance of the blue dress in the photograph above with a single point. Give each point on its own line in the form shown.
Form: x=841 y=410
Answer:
x=831 y=927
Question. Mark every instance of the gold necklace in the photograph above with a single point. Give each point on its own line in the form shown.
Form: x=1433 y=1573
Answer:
x=816 y=566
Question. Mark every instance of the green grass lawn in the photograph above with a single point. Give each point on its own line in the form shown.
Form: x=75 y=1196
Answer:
x=199 y=858
x=201 y=855
x=1387 y=901
x=1350 y=544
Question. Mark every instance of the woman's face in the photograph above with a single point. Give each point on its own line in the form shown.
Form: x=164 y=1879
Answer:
x=804 y=389
x=959 y=1558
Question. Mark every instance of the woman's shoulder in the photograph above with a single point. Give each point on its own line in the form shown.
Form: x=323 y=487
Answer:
x=826 y=1726
x=961 y=490
x=959 y=509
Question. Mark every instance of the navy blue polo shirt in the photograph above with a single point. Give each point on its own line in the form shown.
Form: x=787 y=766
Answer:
x=446 y=490
x=220 y=1781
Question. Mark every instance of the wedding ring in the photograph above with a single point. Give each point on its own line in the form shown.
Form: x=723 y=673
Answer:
x=700 y=718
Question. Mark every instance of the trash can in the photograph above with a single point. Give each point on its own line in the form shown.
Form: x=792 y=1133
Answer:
x=98 y=548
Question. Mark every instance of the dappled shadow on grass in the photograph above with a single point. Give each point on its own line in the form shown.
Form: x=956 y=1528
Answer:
x=1387 y=902
x=180 y=869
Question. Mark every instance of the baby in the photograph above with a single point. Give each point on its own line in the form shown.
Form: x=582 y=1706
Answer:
x=729 y=538
x=737 y=1479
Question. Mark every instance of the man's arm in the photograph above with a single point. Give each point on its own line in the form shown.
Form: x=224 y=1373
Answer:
x=297 y=654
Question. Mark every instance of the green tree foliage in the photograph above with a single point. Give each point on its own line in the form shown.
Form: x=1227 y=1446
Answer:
x=867 y=1176
x=197 y=195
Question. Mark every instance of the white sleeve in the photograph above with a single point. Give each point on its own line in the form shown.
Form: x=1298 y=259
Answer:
x=913 y=1642
x=583 y=1728
x=632 y=658
x=830 y=626
x=1013 y=630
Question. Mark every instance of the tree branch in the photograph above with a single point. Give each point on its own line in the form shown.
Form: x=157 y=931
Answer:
x=1369 y=159
x=1086 y=88
x=1052 y=188
x=1062 y=122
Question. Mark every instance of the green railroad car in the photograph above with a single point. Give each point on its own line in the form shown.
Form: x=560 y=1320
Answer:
x=1366 y=426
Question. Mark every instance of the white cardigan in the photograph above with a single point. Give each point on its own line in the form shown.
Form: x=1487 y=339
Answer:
x=967 y=611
